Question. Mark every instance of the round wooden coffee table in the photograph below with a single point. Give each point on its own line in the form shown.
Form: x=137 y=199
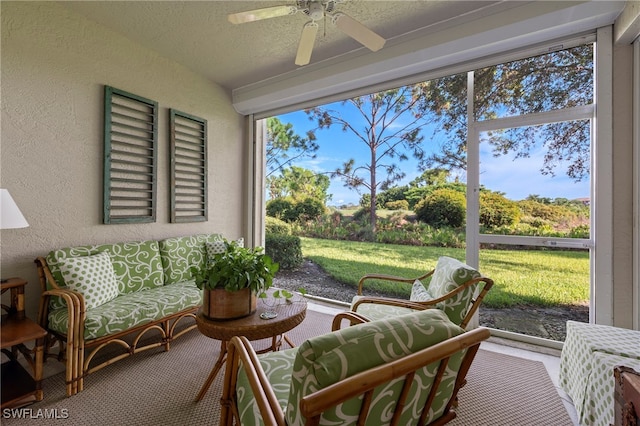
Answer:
x=253 y=327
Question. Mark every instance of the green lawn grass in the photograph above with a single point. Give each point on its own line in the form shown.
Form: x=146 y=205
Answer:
x=522 y=277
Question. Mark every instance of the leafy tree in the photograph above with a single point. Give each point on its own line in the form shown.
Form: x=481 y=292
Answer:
x=551 y=81
x=431 y=177
x=392 y=128
x=284 y=146
x=299 y=183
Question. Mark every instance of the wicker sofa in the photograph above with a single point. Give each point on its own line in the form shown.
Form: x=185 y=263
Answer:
x=100 y=296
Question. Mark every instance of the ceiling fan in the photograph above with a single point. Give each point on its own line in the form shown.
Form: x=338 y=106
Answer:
x=316 y=10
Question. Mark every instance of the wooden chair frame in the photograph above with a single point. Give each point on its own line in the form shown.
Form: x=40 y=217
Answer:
x=486 y=283
x=76 y=352
x=240 y=352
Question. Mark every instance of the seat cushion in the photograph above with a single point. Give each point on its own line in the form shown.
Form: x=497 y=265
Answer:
x=277 y=366
x=131 y=309
x=376 y=311
x=327 y=359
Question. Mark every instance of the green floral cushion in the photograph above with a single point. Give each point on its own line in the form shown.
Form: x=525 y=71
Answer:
x=91 y=276
x=131 y=309
x=136 y=264
x=419 y=292
x=277 y=366
x=323 y=360
x=327 y=359
x=179 y=254
x=450 y=274
x=376 y=311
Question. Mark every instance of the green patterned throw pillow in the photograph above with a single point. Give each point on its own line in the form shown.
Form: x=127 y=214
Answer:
x=419 y=293
x=92 y=276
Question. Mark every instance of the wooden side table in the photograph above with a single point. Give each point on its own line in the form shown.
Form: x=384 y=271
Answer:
x=253 y=327
x=18 y=386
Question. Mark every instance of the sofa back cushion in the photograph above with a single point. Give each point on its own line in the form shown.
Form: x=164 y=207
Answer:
x=136 y=264
x=327 y=359
x=450 y=274
x=91 y=276
x=179 y=254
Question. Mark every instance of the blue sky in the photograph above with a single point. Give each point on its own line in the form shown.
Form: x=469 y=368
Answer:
x=516 y=178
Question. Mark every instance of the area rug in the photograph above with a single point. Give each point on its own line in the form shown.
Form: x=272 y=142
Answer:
x=159 y=388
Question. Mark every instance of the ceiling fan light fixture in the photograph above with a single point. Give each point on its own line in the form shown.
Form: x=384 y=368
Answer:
x=317 y=10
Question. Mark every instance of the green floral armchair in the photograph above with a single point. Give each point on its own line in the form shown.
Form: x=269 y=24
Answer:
x=404 y=370
x=452 y=287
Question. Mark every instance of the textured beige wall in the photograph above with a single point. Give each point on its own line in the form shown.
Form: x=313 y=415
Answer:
x=623 y=186
x=54 y=66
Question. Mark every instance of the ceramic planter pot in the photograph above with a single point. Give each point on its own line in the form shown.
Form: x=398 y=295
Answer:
x=220 y=304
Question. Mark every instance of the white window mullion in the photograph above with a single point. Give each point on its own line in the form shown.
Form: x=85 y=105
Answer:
x=584 y=112
x=473 y=180
x=601 y=309
x=636 y=180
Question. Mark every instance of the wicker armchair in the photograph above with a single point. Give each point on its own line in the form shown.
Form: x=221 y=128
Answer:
x=453 y=287
x=401 y=371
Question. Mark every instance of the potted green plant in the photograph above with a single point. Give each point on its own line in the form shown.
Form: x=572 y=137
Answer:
x=233 y=280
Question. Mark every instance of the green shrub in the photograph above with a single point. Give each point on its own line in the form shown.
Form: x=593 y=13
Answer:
x=284 y=249
x=276 y=226
x=397 y=205
x=580 y=231
x=443 y=207
x=308 y=209
x=288 y=210
x=280 y=208
x=496 y=210
x=362 y=215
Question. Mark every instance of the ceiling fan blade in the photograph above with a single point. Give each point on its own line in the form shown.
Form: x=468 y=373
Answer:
x=258 y=14
x=358 y=32
x=305 y=47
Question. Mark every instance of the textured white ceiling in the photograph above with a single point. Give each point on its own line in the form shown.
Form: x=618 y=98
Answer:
x=198 y=35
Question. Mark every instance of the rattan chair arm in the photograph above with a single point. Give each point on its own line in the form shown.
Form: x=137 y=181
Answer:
x=75 y=331
x=353 y=318
x=392 y=278
x=392 y=302
x=45 y=275
x=73 y=300
x=263 y=394
x=351 y=387
x=473 y=307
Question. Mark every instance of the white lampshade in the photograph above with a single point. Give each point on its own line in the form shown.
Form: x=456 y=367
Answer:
x=10 y=215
